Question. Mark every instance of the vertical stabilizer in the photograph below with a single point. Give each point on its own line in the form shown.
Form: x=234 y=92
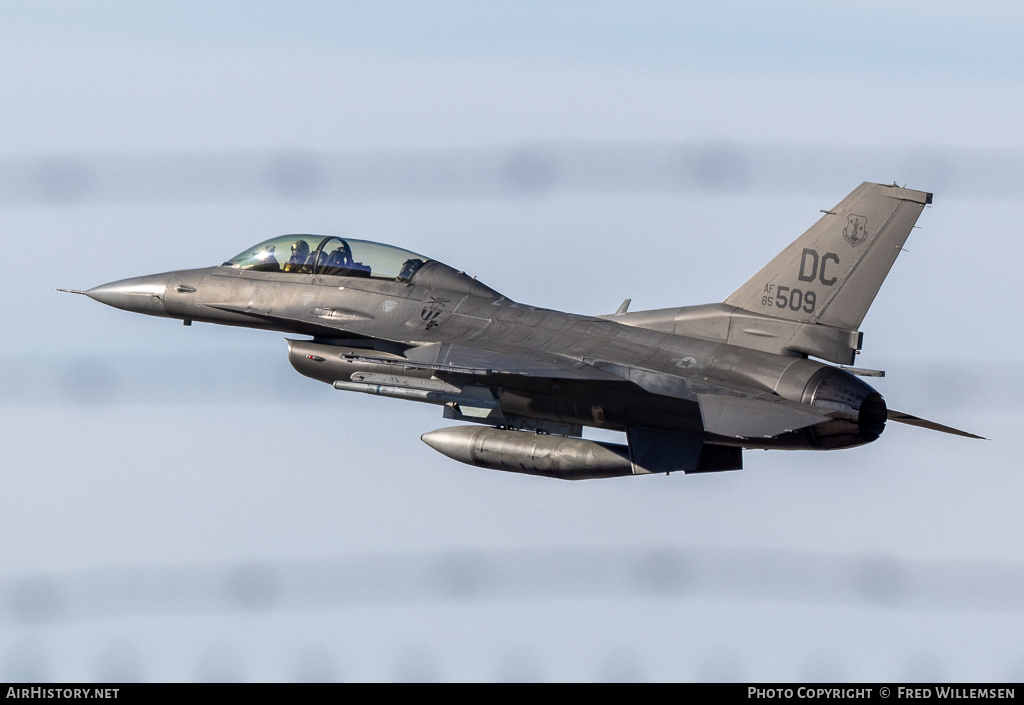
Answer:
x=831 y=273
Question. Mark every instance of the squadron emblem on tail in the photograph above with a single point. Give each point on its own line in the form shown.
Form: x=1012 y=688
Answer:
x=856 y=230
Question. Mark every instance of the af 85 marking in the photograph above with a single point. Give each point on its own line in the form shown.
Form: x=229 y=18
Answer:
x=788 y=297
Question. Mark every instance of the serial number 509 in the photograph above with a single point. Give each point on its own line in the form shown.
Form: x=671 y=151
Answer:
x=793 y=299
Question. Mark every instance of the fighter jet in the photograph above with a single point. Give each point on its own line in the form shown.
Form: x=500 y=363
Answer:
x=691 y=387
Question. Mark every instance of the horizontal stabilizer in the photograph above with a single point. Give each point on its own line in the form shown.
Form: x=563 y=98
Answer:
x=746 y=417
x=899 y=416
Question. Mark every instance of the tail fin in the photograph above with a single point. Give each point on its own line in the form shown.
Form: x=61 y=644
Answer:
x=831 y=273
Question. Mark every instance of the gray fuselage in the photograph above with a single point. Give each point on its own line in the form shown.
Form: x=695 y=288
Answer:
x=630 y=376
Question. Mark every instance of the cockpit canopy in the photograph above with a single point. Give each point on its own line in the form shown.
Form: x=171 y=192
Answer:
x=317 y=254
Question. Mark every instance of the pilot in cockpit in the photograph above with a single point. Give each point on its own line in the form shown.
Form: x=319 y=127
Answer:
x=265 y=260
x=299 y=261
x=341 y=262
x=341 y=257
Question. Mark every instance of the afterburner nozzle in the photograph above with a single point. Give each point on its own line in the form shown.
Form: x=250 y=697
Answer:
x=139 y=295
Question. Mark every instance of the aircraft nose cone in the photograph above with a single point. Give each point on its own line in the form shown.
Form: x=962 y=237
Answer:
x=139 y=295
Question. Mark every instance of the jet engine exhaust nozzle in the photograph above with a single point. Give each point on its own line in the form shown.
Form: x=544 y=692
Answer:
x=837 y=389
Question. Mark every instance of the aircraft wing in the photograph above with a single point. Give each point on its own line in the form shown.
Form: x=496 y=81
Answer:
x=528 y=363
x=762 y=416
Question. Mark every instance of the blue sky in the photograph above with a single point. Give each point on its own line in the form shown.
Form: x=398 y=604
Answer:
x=845 y=37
